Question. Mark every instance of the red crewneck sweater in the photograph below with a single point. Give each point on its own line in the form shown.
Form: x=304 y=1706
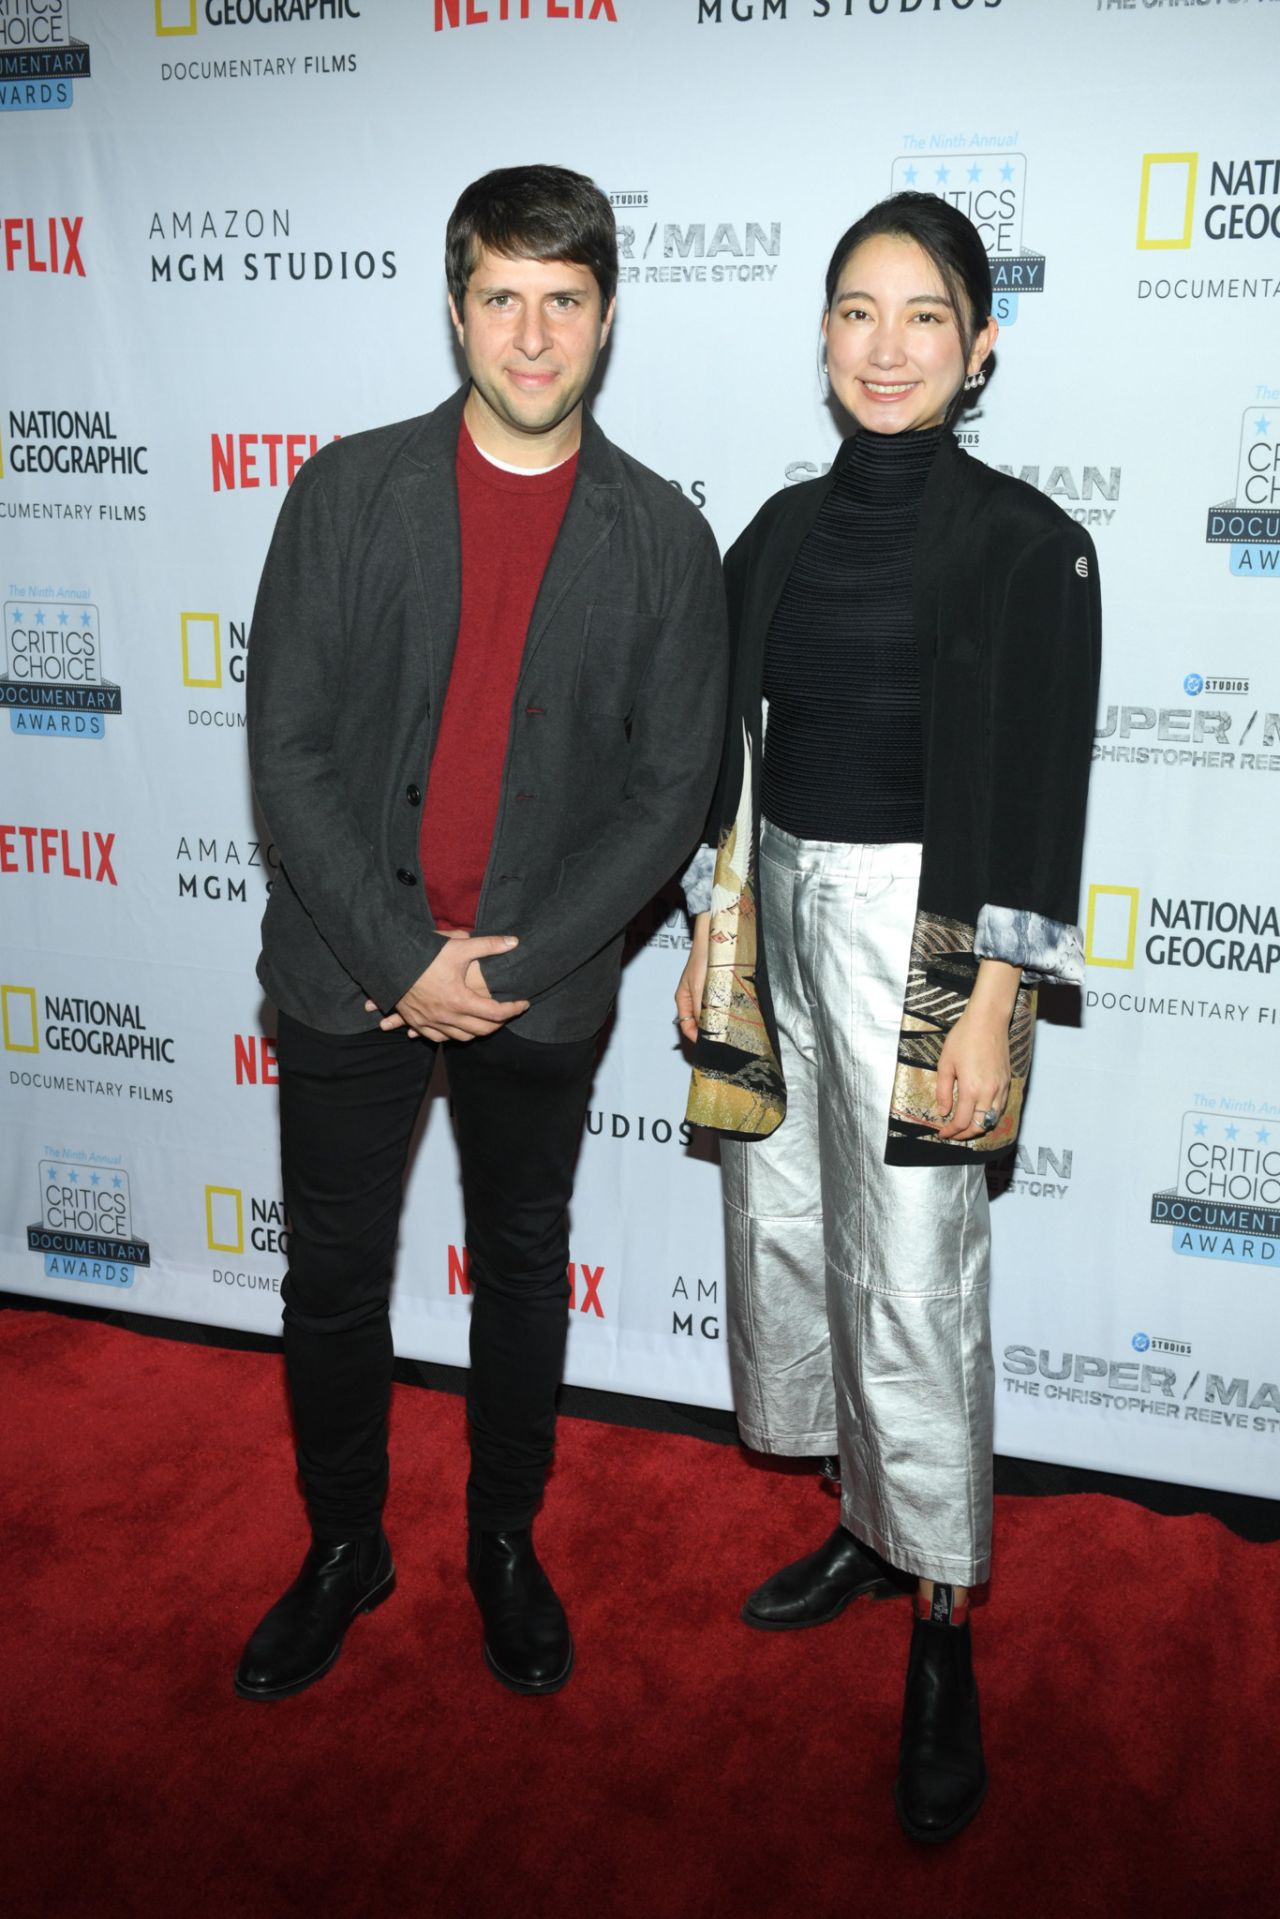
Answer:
x=508 y=524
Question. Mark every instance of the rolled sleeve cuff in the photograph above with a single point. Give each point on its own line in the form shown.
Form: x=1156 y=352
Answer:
x=696 y=881
x=1044 y=949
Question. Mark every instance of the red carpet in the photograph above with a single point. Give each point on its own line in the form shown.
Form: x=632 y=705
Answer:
x=1130 y=1668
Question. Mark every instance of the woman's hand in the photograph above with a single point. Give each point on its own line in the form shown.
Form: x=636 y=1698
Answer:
x=693 y=979
x=973 y=1068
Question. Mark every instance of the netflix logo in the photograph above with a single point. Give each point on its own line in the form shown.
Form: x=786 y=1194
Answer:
x=44 y=245
x=247 y=460
x=584 y=1282
x=255 y=1060
x=69 y=852
x=471 y=13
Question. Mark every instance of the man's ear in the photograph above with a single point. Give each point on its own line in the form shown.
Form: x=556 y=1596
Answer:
x=456 y=317
x=607 y=321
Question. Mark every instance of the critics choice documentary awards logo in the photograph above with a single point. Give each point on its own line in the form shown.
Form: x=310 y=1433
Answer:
x=1249 y=523
x=1225 y=1203
x=258 y=247
x=656 y=250
x=86 y=1227
x=40 y=57
x=1221 y=211
x=987 y=180
x=52 y=683
x=214 y=40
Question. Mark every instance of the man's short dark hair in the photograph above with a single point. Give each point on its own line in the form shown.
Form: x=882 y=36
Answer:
x=532 y=213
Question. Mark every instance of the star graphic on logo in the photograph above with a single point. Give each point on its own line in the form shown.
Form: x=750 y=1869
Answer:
x=1199 y=1129
x=63 y=617
x=975 y=171
x=1262 y=425
x=74 y=1177
x=94 y=1180
x=1006 y=171
x=1232 y=1132
x=17 y=614
x=1263 y=1135
x=117 y=1182
x=943 y=174
x=85 y=620
x=40 y=616
x=909 y=175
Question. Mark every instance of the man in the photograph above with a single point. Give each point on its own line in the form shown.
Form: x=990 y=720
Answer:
x=486 y=690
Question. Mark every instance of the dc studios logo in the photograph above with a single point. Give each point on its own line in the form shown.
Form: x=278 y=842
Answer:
x=51 y=663
x=1225 y=1203
x=990 y=189
x=1249 y=523
x=40 y=59
x=85 y=1230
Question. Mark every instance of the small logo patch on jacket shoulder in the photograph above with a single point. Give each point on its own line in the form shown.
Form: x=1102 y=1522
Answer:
x=1082 y=567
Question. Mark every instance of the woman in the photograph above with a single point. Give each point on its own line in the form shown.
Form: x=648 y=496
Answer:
x=897 y=860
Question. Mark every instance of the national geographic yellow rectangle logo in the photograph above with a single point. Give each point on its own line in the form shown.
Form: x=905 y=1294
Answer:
x=1166 y=201
x=224 y=1219
x=20 y=1019
x=1111 y=928
x=175 y=17
x=201 y=649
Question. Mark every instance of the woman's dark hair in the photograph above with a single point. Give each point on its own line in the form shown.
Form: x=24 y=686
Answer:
x=949 y=239
x=532 y=213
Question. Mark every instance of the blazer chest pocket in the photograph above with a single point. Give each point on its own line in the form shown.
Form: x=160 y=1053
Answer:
x=616 y=644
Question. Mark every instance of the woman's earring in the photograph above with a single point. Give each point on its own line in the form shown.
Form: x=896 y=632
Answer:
x=974 y=380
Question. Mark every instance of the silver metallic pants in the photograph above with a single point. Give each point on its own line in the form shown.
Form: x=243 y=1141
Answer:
x=857 y=1298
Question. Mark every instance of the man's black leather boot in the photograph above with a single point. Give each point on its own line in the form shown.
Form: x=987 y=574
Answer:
x=814 y=1590
x=942 y=1775
x=527 y=1643
x=301 y=1636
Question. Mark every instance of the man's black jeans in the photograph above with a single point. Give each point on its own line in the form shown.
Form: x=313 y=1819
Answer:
x=348 y=1105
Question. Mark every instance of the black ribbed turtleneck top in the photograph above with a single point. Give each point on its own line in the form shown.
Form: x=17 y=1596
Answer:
x=843 y=757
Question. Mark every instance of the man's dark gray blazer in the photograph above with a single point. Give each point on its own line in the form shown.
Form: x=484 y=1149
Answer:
x=615 y=730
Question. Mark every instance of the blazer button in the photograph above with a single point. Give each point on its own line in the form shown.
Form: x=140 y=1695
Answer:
x=413 y=794
x=405 y=877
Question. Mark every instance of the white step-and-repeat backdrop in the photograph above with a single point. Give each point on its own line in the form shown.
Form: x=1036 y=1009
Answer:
x=221 y=225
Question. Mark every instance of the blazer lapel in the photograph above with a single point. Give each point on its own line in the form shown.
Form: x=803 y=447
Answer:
x=594 y=505
x=944 y=517
x=426 y=493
